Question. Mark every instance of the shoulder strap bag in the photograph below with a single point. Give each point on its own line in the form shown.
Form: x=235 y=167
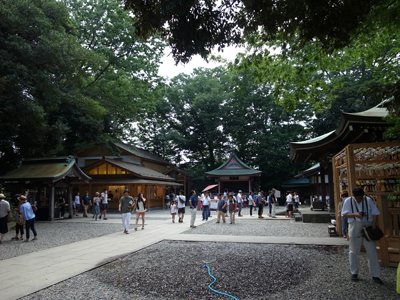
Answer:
x=369 y=233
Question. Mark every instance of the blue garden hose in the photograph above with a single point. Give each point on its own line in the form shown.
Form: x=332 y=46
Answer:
x=209 y=286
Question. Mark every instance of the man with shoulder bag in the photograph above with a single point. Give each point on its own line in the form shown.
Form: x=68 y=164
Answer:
x=362 y=213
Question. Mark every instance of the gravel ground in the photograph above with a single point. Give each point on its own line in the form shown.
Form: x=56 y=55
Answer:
x=174 y=270
x=53 y=235
x=264 y=227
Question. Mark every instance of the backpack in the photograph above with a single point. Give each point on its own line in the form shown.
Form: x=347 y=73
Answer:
x=220 y=205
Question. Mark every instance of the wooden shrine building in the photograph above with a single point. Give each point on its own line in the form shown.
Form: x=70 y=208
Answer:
x=234 y=175
x=362 y=127
x=46 y=178
x=133 y=168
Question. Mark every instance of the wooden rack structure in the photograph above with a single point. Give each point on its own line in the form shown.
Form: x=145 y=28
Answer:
x=376 y=168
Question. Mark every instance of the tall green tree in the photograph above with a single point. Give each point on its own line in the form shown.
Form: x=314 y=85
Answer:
x=41 y=71
x=197 y=107
x=209 y=114
x=127 y=83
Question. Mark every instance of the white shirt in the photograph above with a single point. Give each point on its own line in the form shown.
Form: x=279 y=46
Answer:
x=77 y=200
x=180 y=205
x=173 y=209
x=206 y=201
x=372 y=209
x=140 y=207
x=104 y=198
x=251 y=200
x=296 y=198
x=289 y=198
x=239 y=198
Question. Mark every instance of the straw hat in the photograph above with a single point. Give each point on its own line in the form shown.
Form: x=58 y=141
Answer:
x=23 y=198
x=2 y=196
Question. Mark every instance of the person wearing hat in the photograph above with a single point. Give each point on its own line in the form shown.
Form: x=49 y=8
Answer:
x=126 y=204
x=96 y=206
x=29 y=217
x=4 y=211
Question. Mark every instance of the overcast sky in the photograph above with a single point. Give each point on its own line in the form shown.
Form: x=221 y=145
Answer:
x=170 y=70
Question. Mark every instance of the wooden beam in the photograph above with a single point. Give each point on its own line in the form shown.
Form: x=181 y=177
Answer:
x=70 y=203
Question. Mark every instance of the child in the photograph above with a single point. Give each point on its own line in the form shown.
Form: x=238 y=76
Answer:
x=221 y=207
x=173 y=210
x=232 y=207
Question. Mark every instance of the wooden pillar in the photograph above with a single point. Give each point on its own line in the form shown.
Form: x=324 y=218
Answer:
x=332 y=207
x=70 y=203
x=51 y=204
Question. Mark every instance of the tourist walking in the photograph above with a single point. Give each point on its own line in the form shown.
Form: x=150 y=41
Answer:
x=19 y=221
x=221 y=207
x=4 y=211
x=206 y=206
x=86 y=203
x=232 y=204
x=260 y=203
x=193 y=208
x=360 y=211
x=126 y=203
x=239 y=203
x=29 y=218
x=77 y=204
x=96 y=206
x=289 y=205
x=272 y=200
x=251 y=204
x=104 y=203
x=181 y=200
x=173 y=209
x=140 y=206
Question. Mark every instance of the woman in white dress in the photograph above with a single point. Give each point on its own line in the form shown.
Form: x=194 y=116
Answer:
x=140 y=209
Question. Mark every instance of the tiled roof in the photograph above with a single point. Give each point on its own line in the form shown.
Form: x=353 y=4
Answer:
x=53 y=168
x=141 y=153
x=234 y=166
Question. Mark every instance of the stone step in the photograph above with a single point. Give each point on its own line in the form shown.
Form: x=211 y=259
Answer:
x=298 y=217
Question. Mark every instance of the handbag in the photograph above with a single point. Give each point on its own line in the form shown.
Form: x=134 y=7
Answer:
x=9 y=217
x=369 y=233
x=372 y=234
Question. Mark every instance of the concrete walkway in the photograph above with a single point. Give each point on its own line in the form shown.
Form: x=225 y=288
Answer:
x=23 y=275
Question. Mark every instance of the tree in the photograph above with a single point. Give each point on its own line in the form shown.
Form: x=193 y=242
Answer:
x=128 y=81
x=196 y=109
x=196 y=26
x=40 y=71
x=261 y=131
x=209 y=114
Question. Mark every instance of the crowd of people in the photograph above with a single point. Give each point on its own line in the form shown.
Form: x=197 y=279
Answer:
x=356 y=212
x=229 y=203
x=23 y=215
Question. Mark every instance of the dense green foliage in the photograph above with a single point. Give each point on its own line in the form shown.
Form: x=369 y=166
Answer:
x=67 y=83
x=196 y=26
x=209 y=114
